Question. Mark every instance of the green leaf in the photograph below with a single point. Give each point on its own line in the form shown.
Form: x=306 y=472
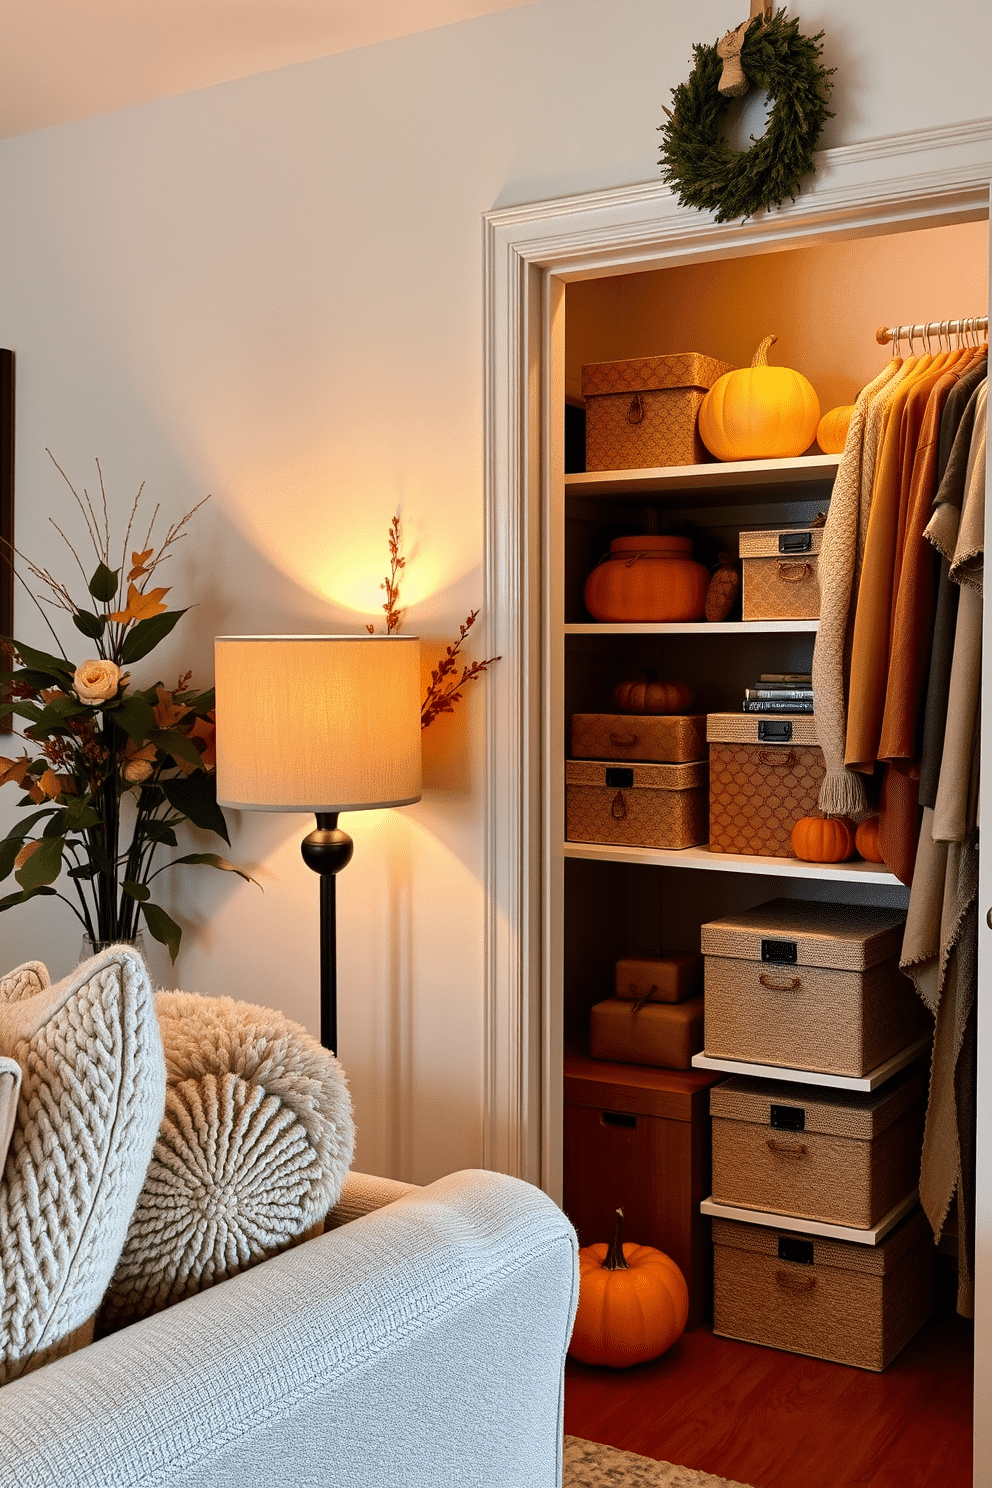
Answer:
x=54 y=667
x=163 y=929
x=103 y=584
x=213 y=860
x=91 y=625
x=138 y=891
x=80 y=816
x=196 y=797
x=9 y=848
x=134 y=718
x=21 y=829
x=43 y=866
x=145 y=636
x=85 y=870
x=58 y=709
x=157 y=831
x=23 y=897
x=171 y=741
x=55 y=826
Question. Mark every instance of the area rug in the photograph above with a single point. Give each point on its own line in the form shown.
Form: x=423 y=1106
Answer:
x=591 y=1465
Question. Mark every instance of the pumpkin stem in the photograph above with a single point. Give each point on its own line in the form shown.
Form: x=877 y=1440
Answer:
x=615 y=1258
x=760 y=358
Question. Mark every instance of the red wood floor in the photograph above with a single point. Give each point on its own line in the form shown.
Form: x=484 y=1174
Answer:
x=777 y=1420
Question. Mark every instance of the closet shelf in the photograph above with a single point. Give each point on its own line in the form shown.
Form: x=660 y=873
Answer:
x=796 y=1225
x=854 y=872
x=720 y=476
x=871 y=1081
x=695 y=627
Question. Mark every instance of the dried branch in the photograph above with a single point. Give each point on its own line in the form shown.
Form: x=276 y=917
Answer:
x=445 y=689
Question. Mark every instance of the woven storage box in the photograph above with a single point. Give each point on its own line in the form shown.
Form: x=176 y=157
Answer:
x=635 y=805
x=765 y=773
x=642 y=413
x=668 y=738
x=780 y=579
x=651 y=978
x=831 y=1155
x=662 y=1034
x=807 y=986
x=832 y=1299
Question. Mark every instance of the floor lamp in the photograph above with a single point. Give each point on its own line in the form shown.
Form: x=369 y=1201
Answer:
x=319 y=724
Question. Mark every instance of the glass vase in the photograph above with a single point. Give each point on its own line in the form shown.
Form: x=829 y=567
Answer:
x=92 y=947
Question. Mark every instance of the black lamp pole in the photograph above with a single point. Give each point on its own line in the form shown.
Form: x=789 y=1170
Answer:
x=327 y=850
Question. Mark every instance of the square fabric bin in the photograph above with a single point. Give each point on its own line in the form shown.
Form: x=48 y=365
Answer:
x=635 y=805
x=642 y=413
x=831 y=1299
x=830 y=1155
x=665 y=738
x=808 y=986
x=765 y=773
x=662 y=1034
x=780 y=578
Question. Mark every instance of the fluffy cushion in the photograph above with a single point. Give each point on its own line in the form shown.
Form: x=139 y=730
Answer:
x=255 y=1144
x=92 y=1094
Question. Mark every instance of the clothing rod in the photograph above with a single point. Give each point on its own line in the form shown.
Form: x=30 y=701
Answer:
x=932 y=328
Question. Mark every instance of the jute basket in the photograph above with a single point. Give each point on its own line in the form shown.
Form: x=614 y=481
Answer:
x=672 y=738
x=637 y=805
x=642 y=412
x=780 y=577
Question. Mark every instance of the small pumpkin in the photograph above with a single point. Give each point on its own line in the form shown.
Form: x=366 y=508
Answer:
x=831 y=431
x=866 y=840
x=633 y=1303
x=649 y=695
x=823 y=839
x=759 y=412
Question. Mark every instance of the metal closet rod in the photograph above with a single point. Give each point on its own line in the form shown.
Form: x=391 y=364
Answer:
x=932 y=328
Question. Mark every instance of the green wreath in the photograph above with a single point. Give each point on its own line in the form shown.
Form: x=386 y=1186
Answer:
x=704 y=169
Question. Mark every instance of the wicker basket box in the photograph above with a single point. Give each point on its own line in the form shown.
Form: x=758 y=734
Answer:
x=642 y=413
x=832 y=1299
x=635 y=805
x=666 y=978
x=808 y=986
x=780 y=579
x=671 y=738
x=830 y=1155
x=765 y=773
x=663 y=1034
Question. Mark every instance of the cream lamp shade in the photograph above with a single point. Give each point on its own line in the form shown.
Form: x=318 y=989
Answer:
x=317 y=723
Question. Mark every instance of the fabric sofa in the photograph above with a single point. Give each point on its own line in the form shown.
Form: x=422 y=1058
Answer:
x=418 y=1343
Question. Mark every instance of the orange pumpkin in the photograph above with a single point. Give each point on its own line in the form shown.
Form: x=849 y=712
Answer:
x=823 y=839
x=759 y=412
x=831 y=431
x=651 y=696
x=633 y=1303
x=866 y=840
x=647 y=578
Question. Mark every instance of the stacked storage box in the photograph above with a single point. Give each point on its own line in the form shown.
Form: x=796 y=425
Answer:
x=658 y=799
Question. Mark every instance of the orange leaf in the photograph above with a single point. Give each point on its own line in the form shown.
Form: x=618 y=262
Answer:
x=25 y=853
x=167 y=711
x=138 y=562
x=14 y=770
x=140 y=606
x=49 y=785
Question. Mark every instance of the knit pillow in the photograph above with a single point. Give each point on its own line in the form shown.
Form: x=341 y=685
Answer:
x=93 y=1089
x=256 y=1141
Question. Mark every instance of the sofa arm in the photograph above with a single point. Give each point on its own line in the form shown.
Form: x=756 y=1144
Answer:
x=421 y=1346
x=361 y=1194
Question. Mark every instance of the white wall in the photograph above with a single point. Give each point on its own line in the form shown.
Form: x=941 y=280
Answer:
x=271 y=290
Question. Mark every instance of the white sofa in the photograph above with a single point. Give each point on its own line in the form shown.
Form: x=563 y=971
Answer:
x=419 y=1343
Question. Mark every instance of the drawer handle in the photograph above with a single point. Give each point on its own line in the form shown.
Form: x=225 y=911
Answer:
x=784 y=1149
x=794 y=573
x=622 y=741
x=618 y=809
x=773 y=986
x=790 y=1282
x=636 y=410
x=775 y=757
x=618 y=1118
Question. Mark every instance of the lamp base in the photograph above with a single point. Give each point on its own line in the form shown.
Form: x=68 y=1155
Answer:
x=327 y=850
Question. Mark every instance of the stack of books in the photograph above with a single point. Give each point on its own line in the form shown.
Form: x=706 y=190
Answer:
x=780 y=692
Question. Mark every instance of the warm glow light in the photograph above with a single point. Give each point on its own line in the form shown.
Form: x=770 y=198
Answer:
x=317 y=723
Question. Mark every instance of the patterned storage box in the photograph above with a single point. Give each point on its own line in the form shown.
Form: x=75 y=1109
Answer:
x=765 y=773
x=831 y=1155
x=780 y=573
x=642 y=413
x=669 y=738
x=663 y=1034
x=808 y=986
x=635 y=805
x=832 y=1299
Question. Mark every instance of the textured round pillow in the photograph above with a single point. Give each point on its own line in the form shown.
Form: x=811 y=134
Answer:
x=255 y=1143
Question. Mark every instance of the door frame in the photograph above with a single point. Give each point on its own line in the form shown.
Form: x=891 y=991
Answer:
x=904 y=182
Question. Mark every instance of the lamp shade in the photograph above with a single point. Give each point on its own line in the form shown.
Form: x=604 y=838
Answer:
x=317 y=723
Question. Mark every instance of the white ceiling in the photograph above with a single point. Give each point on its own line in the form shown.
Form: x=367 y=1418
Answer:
x=66 y=59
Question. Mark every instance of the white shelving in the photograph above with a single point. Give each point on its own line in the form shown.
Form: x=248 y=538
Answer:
x=733 y=475
x=854 y=872
x=796 y=1225
x=695 y=627
x=871 y=1081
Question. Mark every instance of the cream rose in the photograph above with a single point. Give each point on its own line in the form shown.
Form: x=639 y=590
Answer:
x=96 y=681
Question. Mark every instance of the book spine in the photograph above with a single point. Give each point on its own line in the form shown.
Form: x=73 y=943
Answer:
x=800 y=694
x=771 y=705
x=806 y=677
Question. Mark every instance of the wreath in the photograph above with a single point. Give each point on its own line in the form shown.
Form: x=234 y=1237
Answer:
x=704 y=169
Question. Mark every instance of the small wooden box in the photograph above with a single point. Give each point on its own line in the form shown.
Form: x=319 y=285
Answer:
x=643 y=412
x=830 y=1155
x=780 y=577
x=808 y=986
x=831 y=1299
x=652 y=978
x=638 y=1139
x=635 y=805
x=669 y=738
x=657 y=1033
x=765 y=773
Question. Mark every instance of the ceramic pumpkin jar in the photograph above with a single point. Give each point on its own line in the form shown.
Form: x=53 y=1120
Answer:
x=823 y=839
x=650 y=695
x=831 y=431
x=633 y=1303
x=759 y=412
x=651 y=578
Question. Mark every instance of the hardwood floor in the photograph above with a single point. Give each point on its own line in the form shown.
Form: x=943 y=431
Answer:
x=777 y=1420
